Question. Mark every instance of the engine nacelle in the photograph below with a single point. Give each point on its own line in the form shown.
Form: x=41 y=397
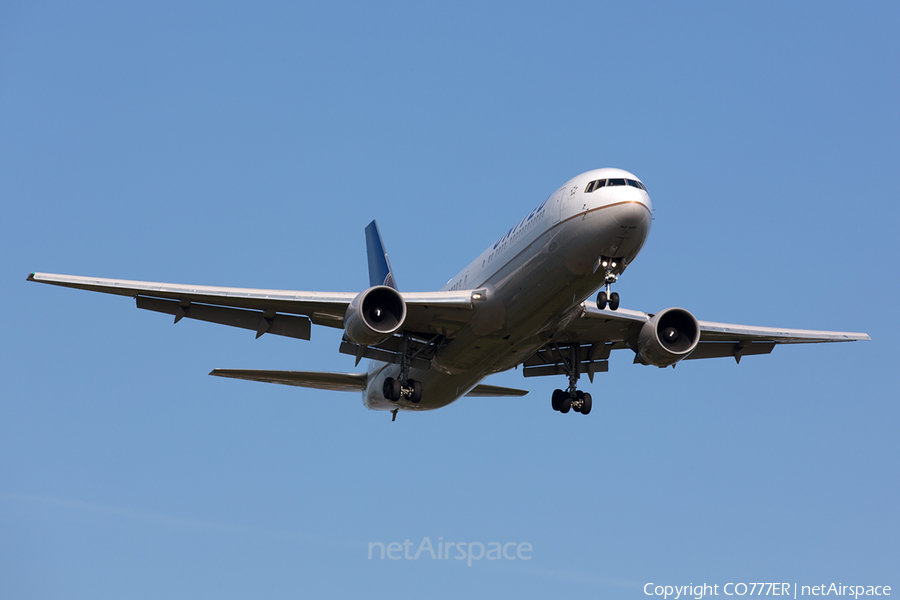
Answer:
x=374 y=315
x=668 y=337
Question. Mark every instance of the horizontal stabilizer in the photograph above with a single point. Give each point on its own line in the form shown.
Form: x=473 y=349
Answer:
x=341 y=382
x=494 y=391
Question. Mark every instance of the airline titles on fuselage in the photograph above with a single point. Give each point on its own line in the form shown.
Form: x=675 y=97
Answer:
x=515 y=232
x=518 y=230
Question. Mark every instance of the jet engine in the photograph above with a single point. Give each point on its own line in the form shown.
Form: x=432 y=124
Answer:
x=668 y=337
x=374 y=315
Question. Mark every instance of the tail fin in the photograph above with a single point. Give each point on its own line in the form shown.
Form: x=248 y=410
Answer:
x=380 y=272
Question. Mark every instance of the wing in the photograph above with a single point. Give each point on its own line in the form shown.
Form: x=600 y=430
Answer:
x=341 y=382
x=593 y=325
x=596 y=332
x=726 y=339
x=282 y=312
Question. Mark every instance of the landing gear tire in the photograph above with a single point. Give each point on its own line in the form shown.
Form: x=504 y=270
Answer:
x=416 y=388
x=391 y=389
x=586 y=403
x=614 y=301
x=557 y=399
x=572 y=398
x=601 y=300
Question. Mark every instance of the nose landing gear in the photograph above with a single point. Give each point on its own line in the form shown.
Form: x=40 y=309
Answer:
x=605 y=297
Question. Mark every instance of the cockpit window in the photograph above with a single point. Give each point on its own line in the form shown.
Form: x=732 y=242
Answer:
x=595 y=185
x=599 y=183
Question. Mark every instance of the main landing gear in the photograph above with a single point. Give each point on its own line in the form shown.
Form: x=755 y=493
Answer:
x=612 y=298
x=393 y=390
x=563 y=401
x=403 y=387
x=572 y=398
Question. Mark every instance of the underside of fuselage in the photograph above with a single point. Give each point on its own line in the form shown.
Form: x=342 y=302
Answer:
x=536 y=285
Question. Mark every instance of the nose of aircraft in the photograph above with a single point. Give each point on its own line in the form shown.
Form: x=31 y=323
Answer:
x=632 y=212
x=623 y=211
x=632 y=209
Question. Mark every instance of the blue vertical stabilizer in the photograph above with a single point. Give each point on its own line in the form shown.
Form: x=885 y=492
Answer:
x=380 y=272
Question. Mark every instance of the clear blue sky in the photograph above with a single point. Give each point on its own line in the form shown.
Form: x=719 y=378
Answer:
x=249 y=146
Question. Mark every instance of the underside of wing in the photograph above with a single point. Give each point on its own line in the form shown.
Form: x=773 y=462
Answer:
x=593 y=325
x=282 y=312
x=341 y=382
x=305 y=303
x=721 y=340
x=712 y=332
x=596 y=331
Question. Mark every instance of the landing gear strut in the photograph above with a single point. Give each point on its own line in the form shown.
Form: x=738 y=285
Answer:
x=403 y=386
x=606 y=296
x=571 y=398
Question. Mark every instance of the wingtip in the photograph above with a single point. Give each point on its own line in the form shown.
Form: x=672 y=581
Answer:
x=30 y=277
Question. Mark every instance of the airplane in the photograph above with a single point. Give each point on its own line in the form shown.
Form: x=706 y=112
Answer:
x=524 y=301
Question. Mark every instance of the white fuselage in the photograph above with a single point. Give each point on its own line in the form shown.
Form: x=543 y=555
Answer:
x=535 y=276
